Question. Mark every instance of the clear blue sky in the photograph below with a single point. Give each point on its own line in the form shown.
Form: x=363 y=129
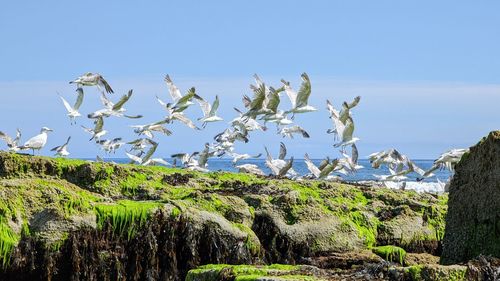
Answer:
x=428 y=71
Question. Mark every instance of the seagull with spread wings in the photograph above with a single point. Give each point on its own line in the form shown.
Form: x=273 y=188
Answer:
x=299 y=99
x=93 y=79
x=12 y=144
x=73 y=110
x=62 y=150
x=209 y=111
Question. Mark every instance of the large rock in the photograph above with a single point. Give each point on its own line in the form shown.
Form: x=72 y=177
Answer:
x=473 y=219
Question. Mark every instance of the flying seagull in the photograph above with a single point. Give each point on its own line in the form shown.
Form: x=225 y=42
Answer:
x=12 y=144
x=238 y=157
x=98 y=130
x=250 y=168
x=209 y=111
x=37 y=142
x=289 y=131
x=62 y=150
x=299 y=99
x=113 y=109
x=93 y=79
x=73 y=110
x=148 y=129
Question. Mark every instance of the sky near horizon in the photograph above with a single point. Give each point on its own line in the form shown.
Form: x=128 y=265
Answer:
x=428 y=72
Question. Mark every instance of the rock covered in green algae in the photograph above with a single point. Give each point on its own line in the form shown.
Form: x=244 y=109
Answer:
x=473 y=220
x=275 y=272
x=238 y=217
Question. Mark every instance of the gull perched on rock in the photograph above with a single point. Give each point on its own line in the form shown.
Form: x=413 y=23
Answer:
x=62 y=150
x=37 y=142
x=209 y=111
x=73 y=110
x=93 y=79
x=12 y=144
x=299 y=99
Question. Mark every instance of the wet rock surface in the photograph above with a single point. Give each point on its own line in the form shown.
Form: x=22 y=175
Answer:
x=473 y=219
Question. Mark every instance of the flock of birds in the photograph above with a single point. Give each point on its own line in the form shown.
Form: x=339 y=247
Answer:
x=259 y=110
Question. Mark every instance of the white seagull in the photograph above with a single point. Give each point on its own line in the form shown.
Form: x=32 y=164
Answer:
x=62 y=150
x=37 y=142
x=73 y=110
x=299 y=100
x=93 y=79
x=209 y=111
x=12 y=144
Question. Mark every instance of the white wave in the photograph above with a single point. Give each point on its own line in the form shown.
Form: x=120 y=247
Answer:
x=432 y=187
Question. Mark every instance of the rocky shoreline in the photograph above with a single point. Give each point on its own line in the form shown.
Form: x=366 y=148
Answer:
x=63 y=219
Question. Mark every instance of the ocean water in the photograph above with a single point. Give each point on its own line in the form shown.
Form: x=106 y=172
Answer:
x=365 y=174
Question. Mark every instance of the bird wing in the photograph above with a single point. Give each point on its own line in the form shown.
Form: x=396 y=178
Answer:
x=348 y=131
x=274 y=100
x=329 y=168
x=175 y=93
x=106 y=102
x=191 y=93
x=162 y=103
x=323 y=163
x=66 y=104
x=163 y=130
x=258 y=97
x=292 y=95
x=246 y=101
x=282 y=154
x=285 y=168
x=105 y=84
x=204 y=105
x=182 y=118
x=79 y=98
x=134 y=158
x=150 y=152
x=215 y=106
x=67 y=141
x=304 y=91
x=99 y=123
x=122 y=101
x=6 y=138
x=310 y=166
x=354 y=102
x=302 y=131
x=354 y=153
x=18 y=137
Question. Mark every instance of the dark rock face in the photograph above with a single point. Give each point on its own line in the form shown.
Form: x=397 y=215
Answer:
x=473 y=219
x=164 y=250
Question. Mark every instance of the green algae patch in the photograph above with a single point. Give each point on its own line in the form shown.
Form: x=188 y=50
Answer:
x=125 y=217
x=248 y=272
x=436 y=272
x=390 y=253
